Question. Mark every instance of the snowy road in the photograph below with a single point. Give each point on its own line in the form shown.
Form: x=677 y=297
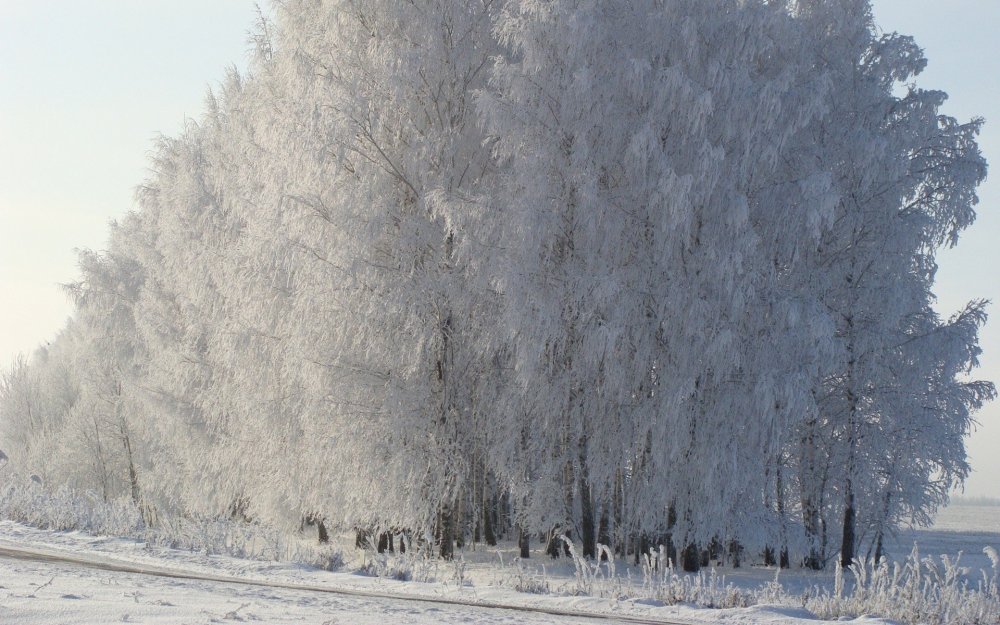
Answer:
x=41 y=587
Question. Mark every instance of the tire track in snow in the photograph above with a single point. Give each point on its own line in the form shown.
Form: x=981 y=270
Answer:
x=106 y=564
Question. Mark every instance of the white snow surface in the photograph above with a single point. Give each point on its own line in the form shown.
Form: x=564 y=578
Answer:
x=43 y=593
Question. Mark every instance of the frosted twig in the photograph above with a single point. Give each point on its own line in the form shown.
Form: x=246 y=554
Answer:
x=48 y=583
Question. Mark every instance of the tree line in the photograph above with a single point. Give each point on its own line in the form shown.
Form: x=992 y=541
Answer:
x=640 y=273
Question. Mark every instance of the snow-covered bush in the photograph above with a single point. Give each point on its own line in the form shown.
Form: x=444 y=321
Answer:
x=661 y=581
x=413 y=563
x=924 y=590
x=919 y=590
x=65 y=509
x=517 y=576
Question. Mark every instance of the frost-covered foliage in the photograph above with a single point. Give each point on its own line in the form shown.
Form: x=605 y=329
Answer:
x=641 y=273
x=931 y=591
x=66 y=509
x=919 y=590
x=417 y=565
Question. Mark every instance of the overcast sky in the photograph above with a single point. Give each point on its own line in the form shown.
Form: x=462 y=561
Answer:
x=86 y=85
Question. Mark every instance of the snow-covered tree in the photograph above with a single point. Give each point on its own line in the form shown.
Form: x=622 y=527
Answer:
x=906 y=179
x=639 y=272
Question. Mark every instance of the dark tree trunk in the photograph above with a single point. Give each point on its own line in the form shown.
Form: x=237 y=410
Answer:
x=617 y=499
x=735 y=553
x=810 y=500
x=780 y=494
x=447 y=536
x=813 y=560
x=716 y=552
x=691 y=558
x=604 y=531
x=641 y=547
x=587 y=528
x=847 y=542
x=848 y=538
x=458 y=525
x=824 y=539
x=769 y=556
x=552 y=543
x=668 y=541
x=523 y=542
x=489 y=503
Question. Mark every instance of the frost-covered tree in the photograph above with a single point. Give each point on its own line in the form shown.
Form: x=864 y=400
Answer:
x=906 y=179
x=105 y=301
x=369 y=163
x=637 y=168
x=638 y=272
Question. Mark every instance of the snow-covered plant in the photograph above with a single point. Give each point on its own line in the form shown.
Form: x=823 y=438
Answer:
x=919 y=590
x=66 y=509
x=517 y=576
x=415 y=564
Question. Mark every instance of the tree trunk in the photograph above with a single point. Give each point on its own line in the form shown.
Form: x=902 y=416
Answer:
x=604 y=531
x=848 y=538
x=691 y=558
x=809 y=500
x=133 y=475
x=735 y=553
x=489 y=535
x=617 y=503
x=552 y=543
x=641 y=548
x=447 y=532
x=882 y=523
x=587 y=527
x=458 y=524
x=523 y=542
x=780 y=494
x=847 y=542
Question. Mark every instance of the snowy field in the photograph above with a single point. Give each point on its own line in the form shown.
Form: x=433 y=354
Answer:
x=58 y=592
x=964 y=529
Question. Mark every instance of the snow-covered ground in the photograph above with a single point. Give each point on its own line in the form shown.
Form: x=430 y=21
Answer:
x=51 y=592
x=964 y=529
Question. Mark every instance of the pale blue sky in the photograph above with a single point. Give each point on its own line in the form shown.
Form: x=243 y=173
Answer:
x=85 y=86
